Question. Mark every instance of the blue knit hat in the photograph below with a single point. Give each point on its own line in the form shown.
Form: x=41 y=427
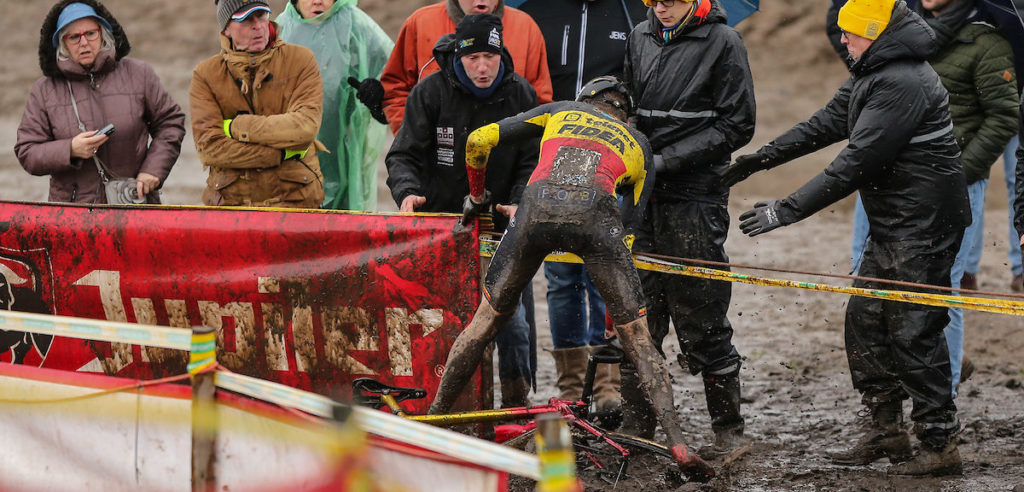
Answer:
x=73 y=12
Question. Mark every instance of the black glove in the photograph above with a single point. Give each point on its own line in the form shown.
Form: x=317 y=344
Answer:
x=471 y=209
x=370 y=92
x=764 y=217
x=744 y=166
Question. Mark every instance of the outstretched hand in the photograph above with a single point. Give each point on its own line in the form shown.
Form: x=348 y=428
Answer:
x=743 y=168
x=370 y=92
x=763 y=218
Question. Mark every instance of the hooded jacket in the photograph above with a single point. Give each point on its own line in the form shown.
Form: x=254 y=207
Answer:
x=428 y=156
x=902 y=155
x=695 y=102
x=975 y=64
x=584 y=39
x=347 y=43
x=148 y=125
x=274 y=99
x=412 y=59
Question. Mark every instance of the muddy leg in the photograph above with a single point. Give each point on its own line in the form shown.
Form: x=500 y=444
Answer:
x=465 y=355
x=656 y=386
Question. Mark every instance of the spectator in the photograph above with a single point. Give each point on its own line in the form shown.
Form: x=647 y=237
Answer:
x=689 y=74
x=256 y=136
x=588 y=39
x=412 y=60
x=476 y=86
x=834 y=33
x=83 y=51
x=1013 y=254
x=903 y=157
x=975 y=65
x=347 y=44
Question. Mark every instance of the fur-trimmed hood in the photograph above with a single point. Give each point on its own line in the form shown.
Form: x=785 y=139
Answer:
x=48 y=54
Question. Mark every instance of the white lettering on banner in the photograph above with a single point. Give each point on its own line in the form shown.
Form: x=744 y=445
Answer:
x=109 y=284
x=399 y=338
x=346 y=329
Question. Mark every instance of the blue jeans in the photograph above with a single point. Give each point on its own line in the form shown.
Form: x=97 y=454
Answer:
x=972 y=239
x=860 y=235
x=569 y=290
x=513 y=343
x=1010 y=169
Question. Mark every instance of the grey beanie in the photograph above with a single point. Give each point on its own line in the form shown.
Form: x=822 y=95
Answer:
x=239 y=10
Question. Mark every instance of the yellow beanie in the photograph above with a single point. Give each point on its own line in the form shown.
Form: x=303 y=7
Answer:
x=866 y=18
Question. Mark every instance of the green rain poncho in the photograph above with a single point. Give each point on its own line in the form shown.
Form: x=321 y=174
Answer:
x=347 y=43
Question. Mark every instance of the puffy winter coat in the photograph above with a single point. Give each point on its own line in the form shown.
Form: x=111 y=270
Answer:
x=428 y=156
x=412 y=59
x=695 y=102
x=584 y=39
x=148 y=125
x=347 y=43
x=274 y=98
x=901 y=155
x=975 y=64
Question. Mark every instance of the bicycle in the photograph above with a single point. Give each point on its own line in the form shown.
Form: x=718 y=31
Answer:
x=592 y=442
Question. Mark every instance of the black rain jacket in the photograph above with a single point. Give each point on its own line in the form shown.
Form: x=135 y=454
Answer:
x=585 y=38
x=902 y=154
x=428 y=156
x=695 y=102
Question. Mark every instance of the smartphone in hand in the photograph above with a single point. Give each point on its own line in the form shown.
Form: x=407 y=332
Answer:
x=107 y=130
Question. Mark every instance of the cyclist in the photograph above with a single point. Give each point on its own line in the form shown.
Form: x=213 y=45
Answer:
x=587 y=154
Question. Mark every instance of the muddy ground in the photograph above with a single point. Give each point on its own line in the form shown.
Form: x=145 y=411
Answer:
x=798 y=400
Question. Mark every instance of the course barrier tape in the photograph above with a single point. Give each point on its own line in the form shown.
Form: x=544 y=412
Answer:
x=469 y=449
x=100 y=330
x=203 y=353
x=1000 y=306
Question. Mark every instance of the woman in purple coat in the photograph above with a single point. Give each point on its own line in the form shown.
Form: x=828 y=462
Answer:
x=82 y=55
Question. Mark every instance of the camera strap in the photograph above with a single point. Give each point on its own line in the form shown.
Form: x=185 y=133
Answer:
x=104 y=172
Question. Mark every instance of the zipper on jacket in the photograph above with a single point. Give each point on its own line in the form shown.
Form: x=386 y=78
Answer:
x=583 y=48
x=565 y=45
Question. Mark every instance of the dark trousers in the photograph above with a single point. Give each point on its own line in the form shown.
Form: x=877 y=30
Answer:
x=898 y=350
x=697 y=307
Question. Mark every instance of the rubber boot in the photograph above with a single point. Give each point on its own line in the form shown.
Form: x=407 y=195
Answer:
x=571 y=365
x=931 y=461
x=637 y=418
x=514 y=393
x=657 y=388
x=884 y=436
x=465 y=355
x=723 y=399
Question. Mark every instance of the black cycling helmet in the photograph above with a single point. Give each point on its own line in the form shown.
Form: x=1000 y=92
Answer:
x=598 y=85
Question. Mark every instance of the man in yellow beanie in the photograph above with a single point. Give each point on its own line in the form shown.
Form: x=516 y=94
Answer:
x=904 y=159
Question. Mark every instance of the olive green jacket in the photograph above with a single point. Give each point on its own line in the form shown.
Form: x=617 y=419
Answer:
x=976 y=67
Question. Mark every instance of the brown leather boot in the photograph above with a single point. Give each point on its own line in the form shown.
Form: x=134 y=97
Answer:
x=570 y=366
x=884 y=436
x=930 y=461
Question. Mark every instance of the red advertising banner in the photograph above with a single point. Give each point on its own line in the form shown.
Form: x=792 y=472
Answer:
x=311 y=299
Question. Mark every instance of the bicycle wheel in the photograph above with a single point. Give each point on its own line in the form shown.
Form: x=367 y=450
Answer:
x=649 y=465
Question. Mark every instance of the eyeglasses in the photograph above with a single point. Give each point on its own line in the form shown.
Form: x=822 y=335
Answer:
x=666 y=3
x=90 y=35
